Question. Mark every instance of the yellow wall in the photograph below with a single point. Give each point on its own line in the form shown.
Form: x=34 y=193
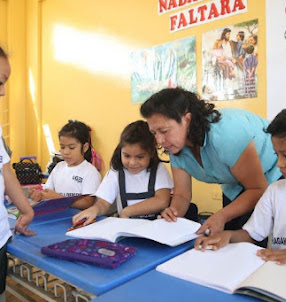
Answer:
x=74 y=85
x=4 y=103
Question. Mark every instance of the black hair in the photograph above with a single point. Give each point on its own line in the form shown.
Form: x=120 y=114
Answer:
x=3 y=54
x=224 y=32
x=278 y=126
x=176 y=102
x=241 y=34
x=249 y=49
x=79 y=131
x=136 y=133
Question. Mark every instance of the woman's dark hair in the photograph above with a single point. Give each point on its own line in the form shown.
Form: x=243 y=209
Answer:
x=3 y=54
x=176 y=102
x=136 y=133
x=79 y=131
x=278 y=126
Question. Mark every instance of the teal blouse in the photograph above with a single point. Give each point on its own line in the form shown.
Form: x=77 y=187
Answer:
x=223 y=145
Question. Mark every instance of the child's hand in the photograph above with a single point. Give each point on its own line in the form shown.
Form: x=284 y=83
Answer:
x=124 y=213
x=217 y=241
x=279 y=256
x=35 y=194
x=22 y=223
x=49 y=194
x=89 y=215
x=169 y=214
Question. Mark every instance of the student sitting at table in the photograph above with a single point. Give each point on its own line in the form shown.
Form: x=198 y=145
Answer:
x=137 y=180
x=75 y=175
x=270 y=212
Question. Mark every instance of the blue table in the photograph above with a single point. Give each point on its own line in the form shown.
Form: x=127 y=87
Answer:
x=156 y=287
x=51 y=228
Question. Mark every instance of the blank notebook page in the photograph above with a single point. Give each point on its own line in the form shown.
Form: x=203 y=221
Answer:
x=223 y=269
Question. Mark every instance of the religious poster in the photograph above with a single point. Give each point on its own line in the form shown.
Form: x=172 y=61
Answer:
x=163 y=66
x=229 y=62
x=276 y=56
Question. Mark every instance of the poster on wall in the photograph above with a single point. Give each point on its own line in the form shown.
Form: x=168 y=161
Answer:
x=229 y=62
x=167 y=65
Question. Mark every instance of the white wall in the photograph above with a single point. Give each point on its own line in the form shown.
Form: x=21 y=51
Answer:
x=276 y=56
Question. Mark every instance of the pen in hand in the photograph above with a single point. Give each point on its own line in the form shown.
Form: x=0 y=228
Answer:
x=79 y=224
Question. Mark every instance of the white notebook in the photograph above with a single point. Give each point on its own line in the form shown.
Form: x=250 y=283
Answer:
x=233 y=269
x=113 y=228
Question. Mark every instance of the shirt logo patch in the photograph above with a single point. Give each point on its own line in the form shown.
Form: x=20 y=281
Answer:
x=279 y=240
x=77 y=179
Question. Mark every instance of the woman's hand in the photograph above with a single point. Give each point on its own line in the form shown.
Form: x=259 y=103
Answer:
x=214 y=224
x=216 y=241
x=169 y=214
x=22 y=224
x=279 y=256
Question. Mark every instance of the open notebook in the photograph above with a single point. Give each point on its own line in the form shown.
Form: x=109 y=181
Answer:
x=233 y=269
x=113 y=228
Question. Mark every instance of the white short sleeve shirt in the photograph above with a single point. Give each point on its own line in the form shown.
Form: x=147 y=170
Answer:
x=5 y=232
x=269 y=216
x=69 y=181
x=135 y=183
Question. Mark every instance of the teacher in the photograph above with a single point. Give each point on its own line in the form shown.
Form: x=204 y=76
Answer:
x=226 y=146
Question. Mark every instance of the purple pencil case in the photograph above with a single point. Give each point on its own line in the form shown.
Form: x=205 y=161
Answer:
x=101 y=253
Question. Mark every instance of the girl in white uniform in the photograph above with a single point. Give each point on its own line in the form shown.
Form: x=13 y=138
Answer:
x=137 y=181
x=10 y=185
x=75 y=175
x=269 y=214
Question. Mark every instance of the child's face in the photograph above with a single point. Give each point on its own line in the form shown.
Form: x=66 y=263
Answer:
x=71 y=150
x=251 y=41
x=134 y=158
x=279 y=145
x=4 y=74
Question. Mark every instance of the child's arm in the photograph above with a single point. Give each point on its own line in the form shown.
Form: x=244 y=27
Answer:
x=100 y=207
x=221 y=239
x=155 y=204
x=84 y=203
x=16 y=194
x=279 y=256
x=35 y=194
x=50 y=194
x=38 y=195
x=182 y=195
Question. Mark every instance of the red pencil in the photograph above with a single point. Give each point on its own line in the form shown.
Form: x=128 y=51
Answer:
x=79 y=224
